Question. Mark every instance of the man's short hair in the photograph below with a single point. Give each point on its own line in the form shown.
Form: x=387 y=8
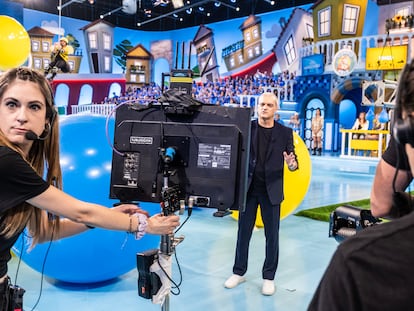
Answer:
x=269 y=94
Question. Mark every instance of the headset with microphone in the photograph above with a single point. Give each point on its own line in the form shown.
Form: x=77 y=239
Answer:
x=30 y=135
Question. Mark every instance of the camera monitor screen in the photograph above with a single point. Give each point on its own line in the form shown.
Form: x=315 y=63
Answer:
x=202 y=152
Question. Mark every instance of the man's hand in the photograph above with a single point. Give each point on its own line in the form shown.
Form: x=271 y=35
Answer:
x=290 y=160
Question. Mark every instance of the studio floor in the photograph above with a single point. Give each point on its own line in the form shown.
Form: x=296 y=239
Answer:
x=206 y=258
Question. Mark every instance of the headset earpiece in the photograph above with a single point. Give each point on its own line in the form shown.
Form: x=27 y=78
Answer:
x=403 y=131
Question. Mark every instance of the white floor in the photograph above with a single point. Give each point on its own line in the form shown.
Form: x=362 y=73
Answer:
x=207 y=252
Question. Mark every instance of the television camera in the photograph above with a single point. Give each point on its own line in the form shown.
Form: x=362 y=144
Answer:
x=178 y=152
x=346 y=220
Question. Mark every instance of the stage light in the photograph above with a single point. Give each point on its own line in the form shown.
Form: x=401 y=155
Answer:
x=188 y=9
x=177 y=4
x=219 y=3
x=201 y=9
x=91 y=1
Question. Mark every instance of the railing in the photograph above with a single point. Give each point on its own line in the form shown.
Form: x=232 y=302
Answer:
x=371 y=146
x=101 y=109
x=285 y=93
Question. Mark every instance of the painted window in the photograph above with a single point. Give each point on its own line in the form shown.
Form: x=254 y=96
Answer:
x=107 y=63
x=46 y=46
x=107 y=42
x=255 y=33
x=35 y=46
x=46 y=62
x=403 y=11
x=248 y=36
x=324 y=21
x=37 y=63
x=309 y=30
x=93 y=40
x=250 y=53
x=350 y=19
x=290 y=50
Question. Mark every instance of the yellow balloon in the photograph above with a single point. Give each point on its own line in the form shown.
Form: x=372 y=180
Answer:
x=14 y=43
x=295 y=185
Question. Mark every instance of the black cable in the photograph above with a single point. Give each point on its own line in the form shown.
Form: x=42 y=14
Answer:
x=20 y=260
x=175 y=285
x=397 y=167
x=178 y=229
x=43 y=267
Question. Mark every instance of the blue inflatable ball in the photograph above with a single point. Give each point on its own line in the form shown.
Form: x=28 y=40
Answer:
x=96 y=255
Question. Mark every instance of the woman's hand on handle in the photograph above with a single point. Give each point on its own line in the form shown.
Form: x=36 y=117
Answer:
x=159 y=224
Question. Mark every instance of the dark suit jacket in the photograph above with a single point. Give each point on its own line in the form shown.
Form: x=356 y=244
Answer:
x=282 y=140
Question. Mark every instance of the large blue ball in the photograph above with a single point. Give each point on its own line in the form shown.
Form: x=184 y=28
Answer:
x=96 y=255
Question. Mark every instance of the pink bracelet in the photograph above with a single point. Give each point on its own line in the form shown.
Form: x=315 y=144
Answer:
x=142 y=226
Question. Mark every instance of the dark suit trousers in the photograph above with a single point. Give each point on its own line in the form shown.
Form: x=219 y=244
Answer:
x=247 y=219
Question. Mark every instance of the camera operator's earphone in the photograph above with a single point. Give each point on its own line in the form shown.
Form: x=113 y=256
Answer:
x=403 y=130
x=51 y=115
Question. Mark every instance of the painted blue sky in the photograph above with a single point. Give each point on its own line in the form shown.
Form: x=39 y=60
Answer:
x=222 y=31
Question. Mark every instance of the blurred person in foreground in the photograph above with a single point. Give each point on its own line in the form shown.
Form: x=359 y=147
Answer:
x=373 y=269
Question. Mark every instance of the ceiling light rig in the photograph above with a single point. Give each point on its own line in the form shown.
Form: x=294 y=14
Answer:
x=61 y=6
x=110 y=12
x=188 y=8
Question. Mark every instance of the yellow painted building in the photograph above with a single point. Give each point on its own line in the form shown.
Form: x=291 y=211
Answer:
x=138 y=67
x=339 y=19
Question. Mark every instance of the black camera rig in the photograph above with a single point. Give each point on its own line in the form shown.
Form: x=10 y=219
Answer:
x=346 y=220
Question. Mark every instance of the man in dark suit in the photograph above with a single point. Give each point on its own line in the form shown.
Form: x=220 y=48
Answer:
x=271 y=146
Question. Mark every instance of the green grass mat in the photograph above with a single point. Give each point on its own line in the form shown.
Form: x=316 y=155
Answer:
x=323 y=213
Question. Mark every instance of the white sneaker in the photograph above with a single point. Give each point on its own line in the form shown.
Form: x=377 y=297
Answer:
x=234 y=280
x=268 y=288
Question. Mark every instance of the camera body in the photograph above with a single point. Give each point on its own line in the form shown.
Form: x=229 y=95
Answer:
x=346 y=220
